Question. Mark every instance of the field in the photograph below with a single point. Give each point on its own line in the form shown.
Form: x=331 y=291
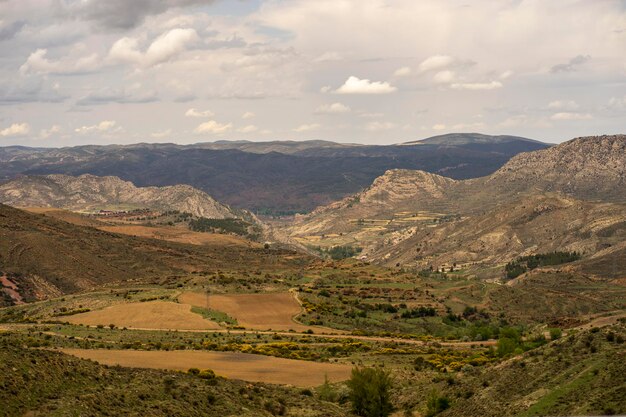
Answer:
x=272 y=311
x=164 y=315
x=178 y=234
x=234 y=365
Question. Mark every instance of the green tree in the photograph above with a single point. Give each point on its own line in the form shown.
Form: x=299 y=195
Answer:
x=436 y=404
x=370 y=392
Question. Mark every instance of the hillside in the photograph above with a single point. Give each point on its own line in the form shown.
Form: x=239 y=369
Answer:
x=581 y=374
x=92 y=193
x=277 y=177
x=46 y=257
x=419 y=219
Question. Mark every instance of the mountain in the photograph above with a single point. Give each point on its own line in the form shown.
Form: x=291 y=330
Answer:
x=89 y=192
x=538 y=202
x=270 y=177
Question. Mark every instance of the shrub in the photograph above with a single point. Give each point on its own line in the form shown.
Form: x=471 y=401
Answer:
x=436 y=404
x=370 y=392
x=555 y=333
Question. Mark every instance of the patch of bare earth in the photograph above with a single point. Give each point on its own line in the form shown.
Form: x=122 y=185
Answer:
x=275 y=311
x=165 y=315
x=234 y=365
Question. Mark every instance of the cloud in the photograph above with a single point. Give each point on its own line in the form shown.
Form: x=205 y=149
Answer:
x=122 y=96
x=16 y=129
x=248 y=115
x=30 y=90
x=9 y=31
x=307 y=127
x=121 y=14
x=563 y=104
x=104 y=126
x=46 y=133
x=334 y=108
x=37 y=63
x=571 y=116
x=571 y=65
x=162 y=49
x=435 y=62
x=354 y=85
x=199 y=113
x=213 y=127
x=439 y=126
x=402 y=72
x=328 y=57
x=378 y=126
x=477 y=86
x=444 y=77
x=248 y=129
x=162 y=134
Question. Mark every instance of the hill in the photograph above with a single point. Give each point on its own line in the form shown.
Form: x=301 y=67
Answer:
x=44 y=257
x=271 y=177
x=540 y=201
x=581 y=374
x=92 y=193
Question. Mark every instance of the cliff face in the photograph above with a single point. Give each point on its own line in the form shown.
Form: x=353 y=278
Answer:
x=591 y=168
x=92 y=192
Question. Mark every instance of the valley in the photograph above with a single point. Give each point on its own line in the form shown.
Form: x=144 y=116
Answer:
x=456 y=287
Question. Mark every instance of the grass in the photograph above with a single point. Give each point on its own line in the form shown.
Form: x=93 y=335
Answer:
x=216 y=316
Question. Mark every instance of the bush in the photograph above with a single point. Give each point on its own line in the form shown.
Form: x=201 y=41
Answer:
x=370 y=392
x=436 y=404
x=555 y=334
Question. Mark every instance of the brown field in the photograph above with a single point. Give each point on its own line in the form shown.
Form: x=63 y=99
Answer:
x=177 y=234
x=275 y=311
x=235 y=365
x=164 y=315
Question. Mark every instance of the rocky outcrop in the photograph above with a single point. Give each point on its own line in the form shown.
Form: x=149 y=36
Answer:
x=90 y=192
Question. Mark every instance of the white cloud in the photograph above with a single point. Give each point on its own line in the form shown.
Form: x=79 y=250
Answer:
x=199 y=113
x=378 y=126
x=37 y=63
x=354 y=85
x=435 y=62
x=468 y=126
x=506 y=74
x=162 y=49
x=248 y=115
x=328 y=57
x=161 y=134
x=103 y=126
x=213 y=127
x=248 y=129
x=439 y=126
x=571 y=116
x=334 y=108
x=307 y=127
x=477 y=86
x=402 y=72
x=46 y=133
x=16 y=129
x=563 y=104
x=444 y=77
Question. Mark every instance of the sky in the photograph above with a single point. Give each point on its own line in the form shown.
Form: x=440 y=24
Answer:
x=366 y=71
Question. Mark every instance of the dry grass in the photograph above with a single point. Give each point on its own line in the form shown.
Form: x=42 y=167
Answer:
x=254 y=368
x=164 y=315
x=178 y=234
x=275 y=311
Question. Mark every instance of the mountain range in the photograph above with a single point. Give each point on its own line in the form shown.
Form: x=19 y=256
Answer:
x=270 y=177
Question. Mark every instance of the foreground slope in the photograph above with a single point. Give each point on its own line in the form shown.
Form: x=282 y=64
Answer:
x=46 y=257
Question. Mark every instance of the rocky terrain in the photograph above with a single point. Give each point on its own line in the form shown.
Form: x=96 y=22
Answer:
x=568 y=197
x=92 y=193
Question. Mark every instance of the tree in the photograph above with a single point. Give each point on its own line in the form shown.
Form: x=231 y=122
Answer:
x=370 y=392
